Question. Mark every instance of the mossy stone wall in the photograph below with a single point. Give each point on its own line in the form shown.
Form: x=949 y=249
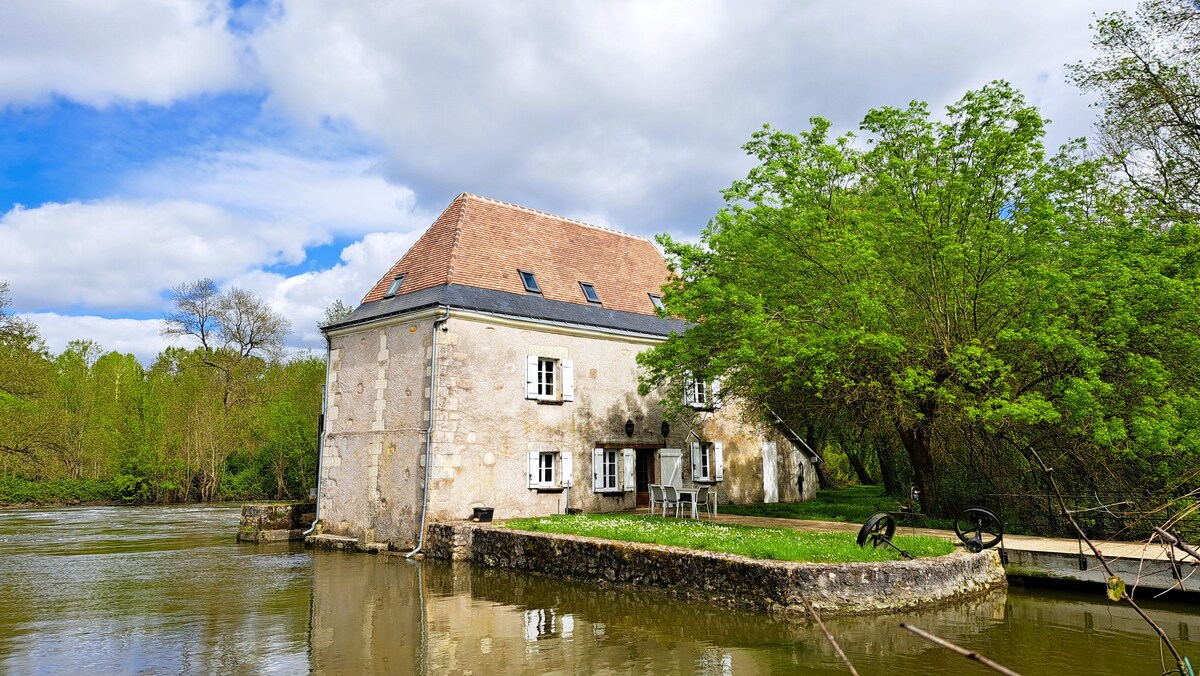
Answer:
x=725 y=579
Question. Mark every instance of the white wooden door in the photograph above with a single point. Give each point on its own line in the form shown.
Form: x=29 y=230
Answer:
x=770 y=457
x=670 y=465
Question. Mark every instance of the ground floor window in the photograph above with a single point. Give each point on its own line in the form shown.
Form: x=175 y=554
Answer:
x=549 y=469
x=707 y=461
x=604 y=469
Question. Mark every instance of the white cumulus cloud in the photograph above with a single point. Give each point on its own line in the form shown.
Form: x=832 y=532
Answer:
x=139 y=337
x=98 y=53
x=637 y=109
x=121 y=254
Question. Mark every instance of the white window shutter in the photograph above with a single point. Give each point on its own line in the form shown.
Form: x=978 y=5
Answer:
x=689 y=392
x=718 y=461
x=669 y=461
x=568 y=380
x=696 y=461
x=715 y=393
x=566 y=470
x=533 y=469
x=597 y=467
x=531 y=376
x=627 y=456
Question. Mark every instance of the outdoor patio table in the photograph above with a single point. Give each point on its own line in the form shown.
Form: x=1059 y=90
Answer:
x=688 y=495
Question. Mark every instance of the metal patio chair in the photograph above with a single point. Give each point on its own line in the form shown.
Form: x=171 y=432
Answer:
x=670 y=499
x=656 y=496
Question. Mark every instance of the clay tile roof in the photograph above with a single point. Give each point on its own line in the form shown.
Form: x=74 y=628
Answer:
x=481 y=242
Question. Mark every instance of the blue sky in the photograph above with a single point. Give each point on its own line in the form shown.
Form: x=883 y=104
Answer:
x=296 y=149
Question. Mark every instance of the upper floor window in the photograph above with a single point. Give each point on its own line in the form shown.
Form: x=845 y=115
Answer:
x=395 y=286
x=702 y=394
x=530 y=282
x=589 y=292
x=549 y=379
x=656 y=300
x=546 y=369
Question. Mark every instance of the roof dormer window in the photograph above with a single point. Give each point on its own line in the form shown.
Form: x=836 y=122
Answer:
x=589 y=292
x=395 y=286
x=530 y=282
x=656 y=300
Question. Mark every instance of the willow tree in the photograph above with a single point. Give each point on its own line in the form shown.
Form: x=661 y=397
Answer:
x=927 y=284
x=1147 y=75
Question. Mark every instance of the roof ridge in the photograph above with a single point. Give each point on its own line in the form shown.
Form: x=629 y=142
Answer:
x=462 y=212
x=561 y=218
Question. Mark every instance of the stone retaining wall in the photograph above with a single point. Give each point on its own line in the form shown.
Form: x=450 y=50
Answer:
x=725 y=579
x=274 y=522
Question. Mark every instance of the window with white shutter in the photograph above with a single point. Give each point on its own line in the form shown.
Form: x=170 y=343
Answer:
x=549 y=379
x=547 y=468
x=701 y=394
x=605 y=470
x=627 y=459
x=707 y=459
x=670 y=467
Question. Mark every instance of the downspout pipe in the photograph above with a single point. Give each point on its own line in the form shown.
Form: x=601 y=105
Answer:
x=321 y=440
x=433 y=374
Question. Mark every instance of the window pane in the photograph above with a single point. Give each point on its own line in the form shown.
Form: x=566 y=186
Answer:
x=656 y=300
x=529 y=281
x=546 y=377
x=608 y=470
x=395 y=285
x=589 y=292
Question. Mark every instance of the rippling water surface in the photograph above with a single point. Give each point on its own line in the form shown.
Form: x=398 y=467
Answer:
x=166 y=590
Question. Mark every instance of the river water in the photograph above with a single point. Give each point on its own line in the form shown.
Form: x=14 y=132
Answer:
x=166 y=590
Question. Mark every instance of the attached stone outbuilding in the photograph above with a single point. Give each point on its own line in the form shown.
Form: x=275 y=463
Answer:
x=502 y=348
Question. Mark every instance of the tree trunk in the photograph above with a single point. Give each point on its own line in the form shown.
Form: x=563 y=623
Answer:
x=916 y=442
x=860 y=470
x=818 y=444
x=887 y=467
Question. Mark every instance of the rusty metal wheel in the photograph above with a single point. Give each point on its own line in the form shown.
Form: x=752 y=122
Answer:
x=878 y=530
x=978 y=528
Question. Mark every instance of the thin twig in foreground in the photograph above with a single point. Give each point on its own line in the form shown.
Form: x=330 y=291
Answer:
x=832 y=641
x=1171 y=539
x=969 y=654
x=1180 y=663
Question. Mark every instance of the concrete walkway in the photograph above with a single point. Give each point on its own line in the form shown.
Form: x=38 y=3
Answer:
x=1110 y=550
x=1150 y=565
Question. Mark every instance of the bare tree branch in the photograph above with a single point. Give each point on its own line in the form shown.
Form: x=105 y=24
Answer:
x=969 y=654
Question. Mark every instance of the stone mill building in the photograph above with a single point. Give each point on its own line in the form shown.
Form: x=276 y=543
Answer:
x=500 y=350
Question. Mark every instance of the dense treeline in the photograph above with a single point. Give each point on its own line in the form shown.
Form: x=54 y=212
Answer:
x=942 y=297
x=218 y=422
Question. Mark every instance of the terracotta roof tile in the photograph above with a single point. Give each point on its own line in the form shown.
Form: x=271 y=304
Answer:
x=481 y=242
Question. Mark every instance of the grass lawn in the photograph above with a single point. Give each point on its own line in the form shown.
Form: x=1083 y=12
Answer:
x=852 y=504
x=781 y=544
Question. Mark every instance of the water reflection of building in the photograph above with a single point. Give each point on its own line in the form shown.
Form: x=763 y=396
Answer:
x=376 y=614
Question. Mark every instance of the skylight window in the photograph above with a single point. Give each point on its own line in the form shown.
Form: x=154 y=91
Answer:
x=396 y=282
x=657 y=301
x=589 y=292
x=530 y=282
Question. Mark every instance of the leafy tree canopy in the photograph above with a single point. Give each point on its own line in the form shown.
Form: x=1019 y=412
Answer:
x=947 y=283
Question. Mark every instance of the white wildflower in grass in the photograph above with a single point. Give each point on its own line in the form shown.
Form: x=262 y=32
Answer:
x=762 y=543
